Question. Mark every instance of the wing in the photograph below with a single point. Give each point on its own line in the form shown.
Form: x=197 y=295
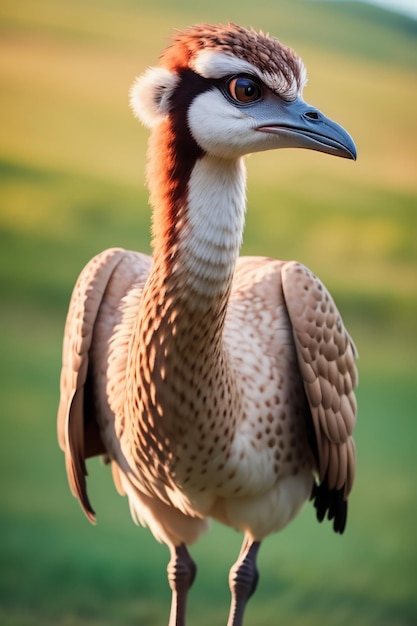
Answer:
x=326 y=357
x=101 y=286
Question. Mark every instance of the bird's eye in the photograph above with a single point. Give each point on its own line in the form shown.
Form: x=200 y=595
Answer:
x=244 y=89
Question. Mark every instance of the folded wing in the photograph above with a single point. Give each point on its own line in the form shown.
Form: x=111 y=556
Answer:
x=326 y=357
x=101 y=286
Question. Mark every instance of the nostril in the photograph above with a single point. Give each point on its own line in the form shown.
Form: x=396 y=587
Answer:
x=313 y=115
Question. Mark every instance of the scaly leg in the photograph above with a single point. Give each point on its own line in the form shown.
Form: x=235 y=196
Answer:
x=181 y=573
x=243 y=578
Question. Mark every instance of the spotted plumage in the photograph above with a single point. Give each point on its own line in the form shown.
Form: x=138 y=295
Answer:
x=216 y=386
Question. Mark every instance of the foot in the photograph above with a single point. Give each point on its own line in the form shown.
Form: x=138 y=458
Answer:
x=243 y=579
x=181 y=573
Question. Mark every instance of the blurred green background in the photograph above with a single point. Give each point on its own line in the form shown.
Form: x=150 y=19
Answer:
x=72 y=183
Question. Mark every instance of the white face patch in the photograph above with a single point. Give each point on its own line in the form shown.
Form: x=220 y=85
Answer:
x=214 y=64
x=227 y=131
x=218 y=127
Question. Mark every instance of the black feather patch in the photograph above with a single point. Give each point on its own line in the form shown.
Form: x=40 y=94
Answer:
x=332 y=503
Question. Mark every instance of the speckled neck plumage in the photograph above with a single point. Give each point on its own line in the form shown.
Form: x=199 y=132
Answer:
x=197 y=231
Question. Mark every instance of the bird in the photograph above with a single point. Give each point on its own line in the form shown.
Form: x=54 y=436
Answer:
x=216 y=386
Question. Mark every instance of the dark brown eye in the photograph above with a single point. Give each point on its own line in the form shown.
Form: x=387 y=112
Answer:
x=244 y=90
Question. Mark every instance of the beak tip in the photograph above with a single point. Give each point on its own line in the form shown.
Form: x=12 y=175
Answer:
x=347 y=148
x=351 y=147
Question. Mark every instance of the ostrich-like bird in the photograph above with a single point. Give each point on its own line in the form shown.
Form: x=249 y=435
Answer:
x=217 y=386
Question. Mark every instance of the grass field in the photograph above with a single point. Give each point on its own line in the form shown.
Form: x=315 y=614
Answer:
x=71 y=168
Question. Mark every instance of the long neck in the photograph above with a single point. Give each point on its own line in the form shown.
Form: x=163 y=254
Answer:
x=197 y=235
x=210 y=235
x=199 y=210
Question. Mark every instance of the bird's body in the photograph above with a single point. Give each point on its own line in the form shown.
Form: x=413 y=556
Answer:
x=217 y=386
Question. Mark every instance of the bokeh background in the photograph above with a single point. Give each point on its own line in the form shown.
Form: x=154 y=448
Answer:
x=72 y=183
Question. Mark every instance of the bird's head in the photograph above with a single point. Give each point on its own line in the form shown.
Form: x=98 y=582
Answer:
x=235 y=91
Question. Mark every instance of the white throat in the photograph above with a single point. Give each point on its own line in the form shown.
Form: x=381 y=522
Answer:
x=209 y=244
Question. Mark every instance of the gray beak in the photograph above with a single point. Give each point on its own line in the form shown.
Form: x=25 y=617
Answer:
x=302 y=126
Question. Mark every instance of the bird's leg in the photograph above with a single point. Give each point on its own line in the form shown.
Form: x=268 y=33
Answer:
x=243 y=578
x=181 y=573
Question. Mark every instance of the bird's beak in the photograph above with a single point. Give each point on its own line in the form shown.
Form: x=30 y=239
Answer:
x=299 y=125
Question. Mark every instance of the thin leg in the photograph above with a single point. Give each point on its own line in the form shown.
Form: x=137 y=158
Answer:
x=243 y=578
x=181 y=573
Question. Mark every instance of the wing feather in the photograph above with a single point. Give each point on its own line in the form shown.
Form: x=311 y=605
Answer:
x=78 y=432
x=326 y=356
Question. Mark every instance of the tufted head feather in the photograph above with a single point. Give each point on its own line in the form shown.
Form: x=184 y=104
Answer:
x=214 y=51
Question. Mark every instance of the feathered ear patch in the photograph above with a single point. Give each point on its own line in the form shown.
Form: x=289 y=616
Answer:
x=150 y=94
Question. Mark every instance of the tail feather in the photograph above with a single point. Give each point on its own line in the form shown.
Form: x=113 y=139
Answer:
x=331 y=502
